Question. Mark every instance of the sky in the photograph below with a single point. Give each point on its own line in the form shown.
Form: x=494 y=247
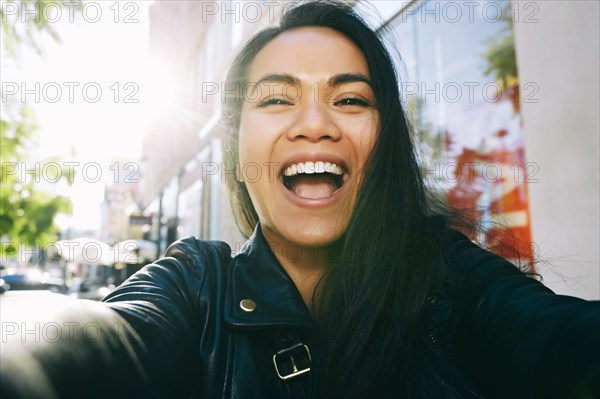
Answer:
x=91 y=96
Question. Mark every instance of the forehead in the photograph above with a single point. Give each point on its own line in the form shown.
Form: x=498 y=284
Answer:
x=311 y=53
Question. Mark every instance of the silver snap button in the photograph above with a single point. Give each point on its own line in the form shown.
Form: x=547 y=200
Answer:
x=247 y=305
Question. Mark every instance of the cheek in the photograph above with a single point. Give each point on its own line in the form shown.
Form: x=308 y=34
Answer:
x=248 y=156
x=250 y=169
x=366 y=137
x=253 y=156
x=257 y=140
x=249 y=148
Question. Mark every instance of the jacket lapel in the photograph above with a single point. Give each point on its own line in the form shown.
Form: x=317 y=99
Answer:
x=256 y=275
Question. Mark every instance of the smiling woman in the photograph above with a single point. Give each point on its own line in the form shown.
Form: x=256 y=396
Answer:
x=321 y=135
x=353 y=282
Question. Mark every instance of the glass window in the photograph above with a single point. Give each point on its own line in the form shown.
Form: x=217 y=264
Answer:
x=461 y=90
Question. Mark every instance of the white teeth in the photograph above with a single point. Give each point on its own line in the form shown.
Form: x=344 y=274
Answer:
x=313 y=167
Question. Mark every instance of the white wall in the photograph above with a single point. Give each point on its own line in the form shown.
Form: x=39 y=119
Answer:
x=559 y=54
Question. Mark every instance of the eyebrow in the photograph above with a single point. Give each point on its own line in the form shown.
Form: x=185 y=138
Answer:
x=335 y=80
x=285 y=78
x=342 y=78
x=279 y=78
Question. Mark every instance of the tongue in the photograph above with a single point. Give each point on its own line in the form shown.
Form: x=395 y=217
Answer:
x=313 y=187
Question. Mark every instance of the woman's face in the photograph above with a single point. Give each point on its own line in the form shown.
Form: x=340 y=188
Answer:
x=308 y=124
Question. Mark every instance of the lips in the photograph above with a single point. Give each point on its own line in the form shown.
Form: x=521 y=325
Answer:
x=314 y=177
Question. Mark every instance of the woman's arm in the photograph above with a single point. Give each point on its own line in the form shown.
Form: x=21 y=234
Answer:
x=519 y=338
x=142 y=342
x=54 y=346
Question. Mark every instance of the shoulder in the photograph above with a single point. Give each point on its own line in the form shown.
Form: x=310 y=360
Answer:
x=199 y=253
x=479 y=282
x=513 y=334
x=187 y=265
x=469 y=263
x=193 y=246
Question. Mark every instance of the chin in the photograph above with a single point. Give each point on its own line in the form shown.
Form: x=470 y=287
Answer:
x=314 y=237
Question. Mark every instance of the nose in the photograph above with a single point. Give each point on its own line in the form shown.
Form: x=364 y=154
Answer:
x=314 y=123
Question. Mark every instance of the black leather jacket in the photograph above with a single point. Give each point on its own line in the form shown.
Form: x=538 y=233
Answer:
x=199 y=323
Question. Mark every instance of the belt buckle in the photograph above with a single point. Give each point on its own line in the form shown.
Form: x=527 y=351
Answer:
x=295 y=371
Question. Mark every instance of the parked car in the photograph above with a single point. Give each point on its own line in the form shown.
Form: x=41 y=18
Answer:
x=31 y=279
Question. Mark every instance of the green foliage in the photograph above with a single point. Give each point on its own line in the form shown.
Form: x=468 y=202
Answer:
x=21 y=28
x=27 y=209
x=500 y=52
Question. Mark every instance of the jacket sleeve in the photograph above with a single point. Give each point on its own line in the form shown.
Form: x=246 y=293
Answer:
x=141 y=342
x=518 y=338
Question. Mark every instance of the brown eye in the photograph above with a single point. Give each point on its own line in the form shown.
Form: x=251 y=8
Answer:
x=353 y=101
x=273 y=101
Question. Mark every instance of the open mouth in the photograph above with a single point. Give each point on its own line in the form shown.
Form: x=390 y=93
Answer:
x=313 y=180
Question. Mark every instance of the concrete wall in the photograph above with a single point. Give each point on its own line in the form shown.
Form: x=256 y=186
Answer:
x=559 y=54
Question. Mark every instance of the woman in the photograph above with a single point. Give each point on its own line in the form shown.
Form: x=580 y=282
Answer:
x=333 y=97
x=351 y=283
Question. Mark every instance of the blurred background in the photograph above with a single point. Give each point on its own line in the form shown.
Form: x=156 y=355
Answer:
x=111 y=136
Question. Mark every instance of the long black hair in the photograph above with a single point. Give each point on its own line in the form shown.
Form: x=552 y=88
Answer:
x=371 y=307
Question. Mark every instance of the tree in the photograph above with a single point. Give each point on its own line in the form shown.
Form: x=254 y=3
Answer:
x=500 y=54
x=27 y=210
x=22 y=28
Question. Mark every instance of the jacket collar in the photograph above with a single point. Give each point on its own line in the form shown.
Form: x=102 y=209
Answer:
x=256 y=274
